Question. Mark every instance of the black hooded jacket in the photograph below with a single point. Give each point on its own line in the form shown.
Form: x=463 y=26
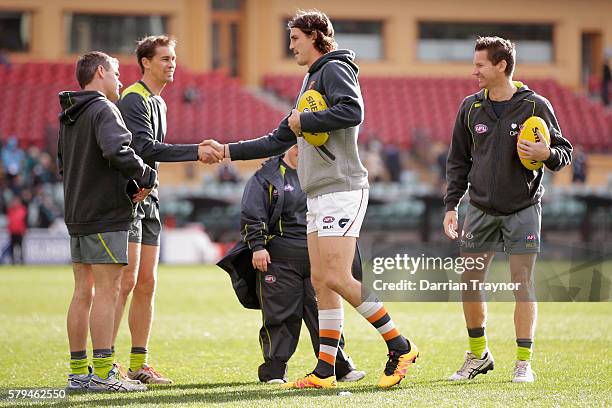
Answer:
x=259 y=204
x=96 y=162
x=483 y=159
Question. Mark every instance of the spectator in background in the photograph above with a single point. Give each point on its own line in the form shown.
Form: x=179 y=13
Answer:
x=16 y=214
x=421 y=148
x=3 y=193
x=441 y=166
x=42 y=211
x=44 y=171
x=191 y=94
x=4 y=58
x=16 y=185
x=29 y=175
x=579 y=165
x=372 y=160
x=12 y=160
x=227 y=173
x=32 y=157
x=393 y=162
x=605 y=82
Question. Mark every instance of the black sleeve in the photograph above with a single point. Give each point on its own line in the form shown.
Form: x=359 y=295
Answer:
x=273 y=144
x=560 y=147
x=254 y=217
x=60 y=160
x=114 y=140
x=136 y=115
x=344 y=96
x=458 y=162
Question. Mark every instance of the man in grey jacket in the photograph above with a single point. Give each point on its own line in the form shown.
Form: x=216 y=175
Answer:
x=336 y=186
x=101 y=178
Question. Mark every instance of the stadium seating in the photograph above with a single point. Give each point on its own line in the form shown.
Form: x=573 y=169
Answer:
x=398 y=108
x=223 y=108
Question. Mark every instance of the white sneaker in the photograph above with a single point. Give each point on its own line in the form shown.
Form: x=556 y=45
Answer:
x=473 y=366
x=113 y=383
x=523 y=372
x=79 y=382
x=276 y=381
x=353 y=376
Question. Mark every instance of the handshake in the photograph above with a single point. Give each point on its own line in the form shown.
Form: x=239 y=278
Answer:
x=210 y=151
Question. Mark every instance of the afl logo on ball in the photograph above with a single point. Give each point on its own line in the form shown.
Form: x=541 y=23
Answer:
x=480 y=128
x=270 y=278
x=328 y=219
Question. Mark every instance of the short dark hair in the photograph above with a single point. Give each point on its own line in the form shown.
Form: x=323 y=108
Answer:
x=498 y=49
x=87 y=65
x=315 y=21
x=147 y=46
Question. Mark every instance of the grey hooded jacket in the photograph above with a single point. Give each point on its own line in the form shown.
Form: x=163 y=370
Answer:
x=335 y=166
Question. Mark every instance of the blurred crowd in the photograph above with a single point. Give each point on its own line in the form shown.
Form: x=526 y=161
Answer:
x=28 y=193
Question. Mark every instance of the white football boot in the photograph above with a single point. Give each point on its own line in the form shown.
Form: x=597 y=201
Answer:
x=523 y=372
x=473 y=366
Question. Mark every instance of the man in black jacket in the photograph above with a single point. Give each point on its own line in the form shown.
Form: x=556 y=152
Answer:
x=504 y=210
x=273 y=259
x=144 y=112
x=101 y=174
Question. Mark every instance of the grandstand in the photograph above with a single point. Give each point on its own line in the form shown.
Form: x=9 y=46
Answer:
x=220 y=102
x=232 y=83
x=396 y=107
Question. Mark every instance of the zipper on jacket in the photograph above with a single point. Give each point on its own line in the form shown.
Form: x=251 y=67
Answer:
x=495 y=163
x=326 y=151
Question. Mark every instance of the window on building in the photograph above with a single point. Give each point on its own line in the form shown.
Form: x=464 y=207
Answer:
x=444 y=41
x=219 y=5
x=110 y=33
x=226 y=18
x=363 y=37
x=15 y=31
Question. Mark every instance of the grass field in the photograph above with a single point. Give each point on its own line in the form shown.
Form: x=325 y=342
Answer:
x=207 y=343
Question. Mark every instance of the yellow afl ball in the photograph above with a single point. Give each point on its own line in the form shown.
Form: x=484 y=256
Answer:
x=529 y=132
x=312 y=101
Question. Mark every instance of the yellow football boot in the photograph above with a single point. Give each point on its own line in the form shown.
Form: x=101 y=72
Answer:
x=312 y=381
x=396 y=367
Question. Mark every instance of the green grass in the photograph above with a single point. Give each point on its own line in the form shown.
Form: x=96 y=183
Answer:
x=207 y=343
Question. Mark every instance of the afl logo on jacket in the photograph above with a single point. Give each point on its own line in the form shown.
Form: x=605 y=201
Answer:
x=480 y=128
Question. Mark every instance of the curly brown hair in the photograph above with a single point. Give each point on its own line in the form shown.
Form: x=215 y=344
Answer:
x=315 y=21
x=147 y=46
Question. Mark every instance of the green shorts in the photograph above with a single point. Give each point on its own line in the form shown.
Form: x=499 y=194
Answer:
x=100 y=248
x=146 y=226
x=517 y=233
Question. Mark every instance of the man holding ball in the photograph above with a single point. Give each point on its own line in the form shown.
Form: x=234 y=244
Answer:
x=504 y=210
